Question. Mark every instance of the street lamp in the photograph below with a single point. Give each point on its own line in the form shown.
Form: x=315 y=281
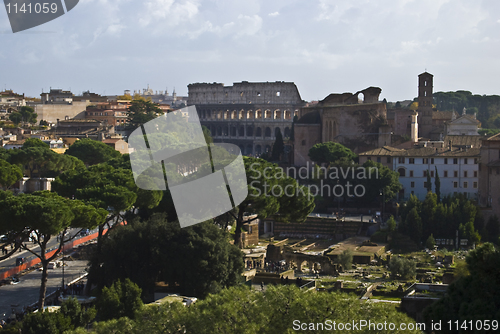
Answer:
x=382 y=193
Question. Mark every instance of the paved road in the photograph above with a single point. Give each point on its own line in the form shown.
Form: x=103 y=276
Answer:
x=52 y=244
x=27 y=291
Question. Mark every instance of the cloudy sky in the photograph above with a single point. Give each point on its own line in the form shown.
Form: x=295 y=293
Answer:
x=324 y=46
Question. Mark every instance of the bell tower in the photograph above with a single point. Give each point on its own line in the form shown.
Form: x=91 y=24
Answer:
x=425 y=104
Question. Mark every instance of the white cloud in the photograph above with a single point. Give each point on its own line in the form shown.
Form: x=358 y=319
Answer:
x=274 y=14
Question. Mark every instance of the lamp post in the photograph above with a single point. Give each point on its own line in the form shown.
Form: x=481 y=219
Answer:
x=382 y=193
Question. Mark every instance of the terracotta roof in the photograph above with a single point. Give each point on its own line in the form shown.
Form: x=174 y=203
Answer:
x=462 y=140
x=383 y=151
x=494 y=137
x=422 y=152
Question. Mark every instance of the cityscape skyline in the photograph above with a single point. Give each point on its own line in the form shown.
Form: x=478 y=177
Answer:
x=322 y=46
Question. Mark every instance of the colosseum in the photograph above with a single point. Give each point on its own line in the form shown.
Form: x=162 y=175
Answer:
x=247 y=114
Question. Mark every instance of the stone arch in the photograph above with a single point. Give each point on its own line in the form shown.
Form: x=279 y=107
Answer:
x=234 y=114
x=219 y=131
x=258 y=114
x=250 y=130
x=277 y=114
x=226 y=114
x=233 y=131
x=258 y=149
x=241 y=114
x=288 y=114
x=250 y=114
x=258 y=132
x=220 y=115
x=225 y=130
x=267 y=132
x=249 y=150
x=402 y=171
x=241 y=131
x=268 y=114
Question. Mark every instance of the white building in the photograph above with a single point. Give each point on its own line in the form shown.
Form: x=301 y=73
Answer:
x=466 y=125
x=456 y=160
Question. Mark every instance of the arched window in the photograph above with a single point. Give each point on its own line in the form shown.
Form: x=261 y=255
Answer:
x=402 y=172
x=258 y=132
x=267 y=133
x=250 y=130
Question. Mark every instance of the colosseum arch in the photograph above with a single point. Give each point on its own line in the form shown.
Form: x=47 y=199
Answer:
x=258 y=149
x=268 y=114
x=250 y=114
x=277 y=114
x=287 y=132
x=241 y=131
x=241 y=114
x=233 y=131
x=258 y=114
x=267 y=133
x=249 y=149
x=258 y=132
x=250 y=130
x=288 y=114
x=234 y=115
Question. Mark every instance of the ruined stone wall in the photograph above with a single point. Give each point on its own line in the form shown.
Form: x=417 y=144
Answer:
x=306 y=136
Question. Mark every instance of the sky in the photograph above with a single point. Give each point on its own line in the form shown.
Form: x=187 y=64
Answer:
x=324 y=46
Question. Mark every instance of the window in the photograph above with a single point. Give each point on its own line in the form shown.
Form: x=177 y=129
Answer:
x=401 y=160
x=455 y=161
x=411 y=173
x=425 y=173
x=379 y=159
x=445 y=173
x=411 y=160
x=474 y=185
x=465 y=184
x=465 y=173
x=389 y=160
x=475 y=161
x=455 y=184
x=432 y=161
x=402 y=172
x=445 y=161
x=475 y=173
x=304 y=142
x=465 y=161
x=425 y=161
x=432 y=173
x=412 y=184
x=425 y=184
x=455 y=173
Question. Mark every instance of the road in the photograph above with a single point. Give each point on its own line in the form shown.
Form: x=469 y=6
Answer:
x=26 y=292
x=52 y=244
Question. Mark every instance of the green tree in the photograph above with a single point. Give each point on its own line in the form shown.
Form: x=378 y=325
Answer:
x=402 y=267
x=430 y=242
x=414 y=225
x=92 y=152
x=16 y=117
x=329 y=152
x=28 y=114
x=345 y=258
x=278 y=309
x=41 y=161
x=437 y=184
x=45 y=322
x=272 y=192
x=429 y=182
x=391 y=224
x=472 y=297
x=278 y=147
x=142 y=111
x=121 y=299
x=44 y=215
x=379 y=179
x=197 y=260
x=9 y=174
x=79 y=316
